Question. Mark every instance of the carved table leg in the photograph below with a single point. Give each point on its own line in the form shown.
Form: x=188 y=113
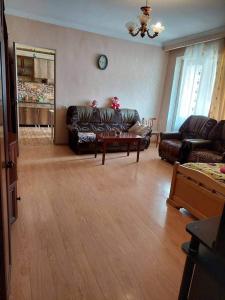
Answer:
x=96 y=147
x=138 y=149
x=104 y=151
x=128 y=149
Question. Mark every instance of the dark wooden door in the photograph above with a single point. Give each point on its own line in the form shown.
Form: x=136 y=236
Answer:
x=5 y=240
x=5 y=247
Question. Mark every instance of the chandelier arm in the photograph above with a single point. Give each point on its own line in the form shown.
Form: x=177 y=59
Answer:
x=152 y=36
x=135 y=34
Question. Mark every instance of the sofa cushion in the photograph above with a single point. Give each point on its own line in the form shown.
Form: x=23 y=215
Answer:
x=135 y=127
x=196 y=127
x=129 y=116
x=218 y=131
x=81 y=114
x=219 y=146
x=217 y=135
x=107 y=127
x=99 y=127
x=205 y=156
x=86 y=137
x=109 y=115
x=84 y=114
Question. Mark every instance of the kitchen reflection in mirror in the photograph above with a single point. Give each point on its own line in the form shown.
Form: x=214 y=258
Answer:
x=35 y=94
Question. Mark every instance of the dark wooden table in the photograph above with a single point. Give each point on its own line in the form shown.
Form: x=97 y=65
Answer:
x=110 y=138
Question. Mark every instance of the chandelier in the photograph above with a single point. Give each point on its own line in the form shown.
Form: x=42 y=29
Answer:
x=144 y=20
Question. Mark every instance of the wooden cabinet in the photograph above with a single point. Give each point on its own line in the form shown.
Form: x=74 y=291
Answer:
x=40 y=68
x=25 y=67
x=30 y=68
x=51 y=71
x=44 y=69
x=35 y=114
x=21 y=117
x=43 y=116
x=28 y=116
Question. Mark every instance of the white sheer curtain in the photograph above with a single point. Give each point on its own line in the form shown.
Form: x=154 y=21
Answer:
x=196 y=82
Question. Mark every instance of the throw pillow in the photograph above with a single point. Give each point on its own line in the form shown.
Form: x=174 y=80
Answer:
x=134 y=128
x=86 y=137
x=139 y=129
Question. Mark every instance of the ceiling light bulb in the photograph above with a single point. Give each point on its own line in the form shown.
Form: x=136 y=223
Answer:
x=158 y=27
x=131 y=26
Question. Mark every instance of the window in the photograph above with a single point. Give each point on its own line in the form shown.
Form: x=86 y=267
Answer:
x=193 y=83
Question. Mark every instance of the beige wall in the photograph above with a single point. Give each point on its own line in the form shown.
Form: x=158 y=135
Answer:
x=135 y=73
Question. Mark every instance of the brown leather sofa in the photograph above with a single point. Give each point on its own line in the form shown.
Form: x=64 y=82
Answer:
x=211 y=152
x=176 y=146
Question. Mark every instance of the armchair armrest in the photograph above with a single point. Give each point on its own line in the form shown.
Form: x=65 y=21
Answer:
x=170 y=136
x=193 y=144
x=223 y=157
x=188 y=145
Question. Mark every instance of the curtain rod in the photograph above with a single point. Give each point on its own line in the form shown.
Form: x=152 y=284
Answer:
x=35 y=51
x=208 y=36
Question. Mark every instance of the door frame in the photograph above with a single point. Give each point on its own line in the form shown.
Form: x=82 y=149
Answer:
x=16 y=80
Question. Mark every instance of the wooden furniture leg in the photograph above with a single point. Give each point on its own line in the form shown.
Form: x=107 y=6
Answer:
x=157 y=139
x=188 y=270
x=128 y=149
x=104 y=151
x=138 y=149
x=96 y=147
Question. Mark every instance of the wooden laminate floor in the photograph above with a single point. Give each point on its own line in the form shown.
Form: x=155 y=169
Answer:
x=87 y=231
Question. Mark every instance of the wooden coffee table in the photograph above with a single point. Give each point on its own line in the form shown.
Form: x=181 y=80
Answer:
x=110 y=138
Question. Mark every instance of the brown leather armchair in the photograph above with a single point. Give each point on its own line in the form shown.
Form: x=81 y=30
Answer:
x=212 y=152
x=176 y=146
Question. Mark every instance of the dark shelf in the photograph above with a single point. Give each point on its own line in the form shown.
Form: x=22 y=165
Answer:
x=208 y=261
x=204 y=271
x=205 y=231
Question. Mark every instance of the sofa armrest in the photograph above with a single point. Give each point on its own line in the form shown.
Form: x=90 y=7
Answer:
x=193 y=144
x=72 y=129
x=149 y=133
x=170 y=136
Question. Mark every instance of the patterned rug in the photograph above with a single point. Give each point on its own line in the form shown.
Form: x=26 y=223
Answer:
x=35 y=136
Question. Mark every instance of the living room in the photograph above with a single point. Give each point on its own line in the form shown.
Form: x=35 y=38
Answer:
x=134 y=151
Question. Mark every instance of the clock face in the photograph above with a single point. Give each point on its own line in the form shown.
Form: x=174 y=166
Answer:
x=102 y=62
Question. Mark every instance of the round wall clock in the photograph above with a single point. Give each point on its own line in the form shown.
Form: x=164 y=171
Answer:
x=102 y=62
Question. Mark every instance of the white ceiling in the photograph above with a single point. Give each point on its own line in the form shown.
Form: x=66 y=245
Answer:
x=108 y=17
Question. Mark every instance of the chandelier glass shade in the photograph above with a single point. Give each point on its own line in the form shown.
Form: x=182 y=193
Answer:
x=143 y=28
